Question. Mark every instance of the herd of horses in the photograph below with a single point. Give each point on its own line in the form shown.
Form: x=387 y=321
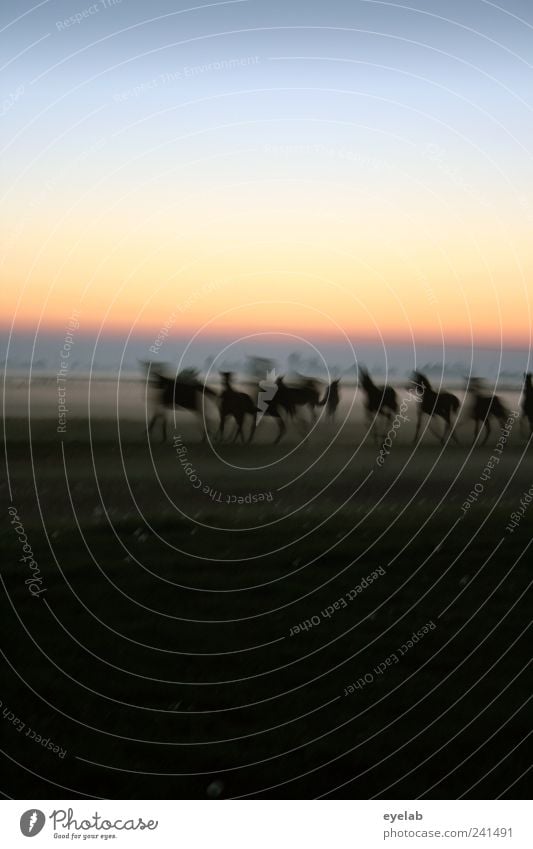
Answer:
x=301 y=401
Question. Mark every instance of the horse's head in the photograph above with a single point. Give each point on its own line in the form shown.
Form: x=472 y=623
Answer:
x=364 y=379
x=418 y=381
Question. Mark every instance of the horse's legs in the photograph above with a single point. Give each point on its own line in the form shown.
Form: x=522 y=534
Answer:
x=303 y=425
x=158 y=413
x=253 y=427
x=243 y=437
x=152 y=423
x=453 y=433
x=419 y=417
x=238 y=421
x=487 y=428
x=447 y=429
x=282 y=428
x=222 y=426
x=447 y=432
x=203 y=425
x=436 y=433
x=380 y=438
x=372 y=426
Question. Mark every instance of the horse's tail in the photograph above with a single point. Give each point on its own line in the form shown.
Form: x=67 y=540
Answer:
x=523 y=418
x=254 y=424
x=527 y=406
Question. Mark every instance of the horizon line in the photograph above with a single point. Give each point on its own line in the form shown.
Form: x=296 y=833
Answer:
x=144 y=333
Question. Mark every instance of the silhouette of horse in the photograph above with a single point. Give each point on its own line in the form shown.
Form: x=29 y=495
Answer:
x=306 y=394
x=432 y=403
x=285 y=403
x=238 y=405
x=380 y=400
x=484 y=406
x=185 y=391
x=331 y=399
x=527 y=402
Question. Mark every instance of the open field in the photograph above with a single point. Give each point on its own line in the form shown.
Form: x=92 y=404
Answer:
x=165 y=656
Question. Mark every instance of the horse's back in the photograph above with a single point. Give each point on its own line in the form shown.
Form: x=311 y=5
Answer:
x=485 y=406
x=184 y=395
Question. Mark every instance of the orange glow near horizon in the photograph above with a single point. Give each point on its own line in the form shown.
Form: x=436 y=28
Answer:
x=285 y=318
x=310 y=306
x=302 y=260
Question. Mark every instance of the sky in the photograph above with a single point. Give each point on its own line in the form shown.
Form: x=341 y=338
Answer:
x=320 y=175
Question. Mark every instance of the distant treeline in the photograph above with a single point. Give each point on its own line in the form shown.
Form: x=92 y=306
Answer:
x=257 y=367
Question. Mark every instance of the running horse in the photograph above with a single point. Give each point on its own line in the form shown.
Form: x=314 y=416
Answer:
x=380 y=400
x=167 y=393
x=484 y=407
x=238 y=405
x=288 y=401
x=431 y=403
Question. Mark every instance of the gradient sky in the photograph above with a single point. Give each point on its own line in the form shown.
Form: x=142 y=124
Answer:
x=323 y=169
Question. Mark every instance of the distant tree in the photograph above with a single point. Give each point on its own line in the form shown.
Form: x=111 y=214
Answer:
x=314 y=365
x=257 y=367
x=208 y=362
x=294 y=361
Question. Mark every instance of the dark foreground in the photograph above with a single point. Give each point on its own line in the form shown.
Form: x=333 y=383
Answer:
x=164 y=641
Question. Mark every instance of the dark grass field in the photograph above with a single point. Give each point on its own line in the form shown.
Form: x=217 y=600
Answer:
x=159 y=656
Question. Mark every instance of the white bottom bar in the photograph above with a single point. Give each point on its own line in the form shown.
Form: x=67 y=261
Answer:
x=266 y=824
